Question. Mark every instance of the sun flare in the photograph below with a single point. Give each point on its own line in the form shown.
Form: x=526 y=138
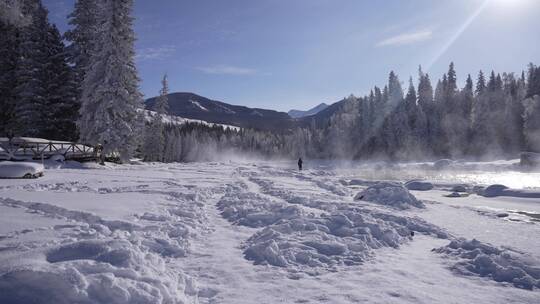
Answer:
x=509 y=3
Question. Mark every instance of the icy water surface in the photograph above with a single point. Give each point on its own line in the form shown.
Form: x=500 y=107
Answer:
x=507 y=173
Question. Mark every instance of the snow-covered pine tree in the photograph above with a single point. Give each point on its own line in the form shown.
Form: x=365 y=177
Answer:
x=480 y=83
x=514 y=93
x=61 y=107
x=162 y=102
x=455 y=121
x=533 y=81
x=417 y=123
x=11 y=12
x=531 y=127
x=30 y=89
x=426 y=102
x=8 y=64
x=82 y=36
x=154 y=139
x=110 y=98
x=395 y=92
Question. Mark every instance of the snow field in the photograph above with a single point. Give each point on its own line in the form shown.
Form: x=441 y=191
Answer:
x=244 y=233
x=121 y=259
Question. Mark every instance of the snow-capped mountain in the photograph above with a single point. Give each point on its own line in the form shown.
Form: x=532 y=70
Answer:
x=312 y=111
x=193 y=106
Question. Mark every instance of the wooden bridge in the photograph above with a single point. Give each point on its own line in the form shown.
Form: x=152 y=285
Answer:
x=24 y=148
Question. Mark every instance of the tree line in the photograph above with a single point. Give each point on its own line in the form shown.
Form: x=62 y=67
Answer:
x=83 y=85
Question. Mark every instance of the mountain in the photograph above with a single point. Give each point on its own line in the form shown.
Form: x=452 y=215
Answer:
x=313 y=111
x=320 y=119
x=193 y=106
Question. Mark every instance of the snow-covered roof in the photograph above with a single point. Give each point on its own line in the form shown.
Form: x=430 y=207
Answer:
x=31 y=140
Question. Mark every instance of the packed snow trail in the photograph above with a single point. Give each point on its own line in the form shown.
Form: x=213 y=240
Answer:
x=246 y=233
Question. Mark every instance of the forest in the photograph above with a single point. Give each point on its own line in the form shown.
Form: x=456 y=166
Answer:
x=69 y=87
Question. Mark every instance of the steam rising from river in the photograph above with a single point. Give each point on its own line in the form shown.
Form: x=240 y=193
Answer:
x=508 y=173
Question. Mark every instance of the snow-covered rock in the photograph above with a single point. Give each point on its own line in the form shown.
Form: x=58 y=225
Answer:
x=501 y=265
x=502 y=190
x=494 y=190
x=442 y=164
x=419 y=185
x=459 y=188
x=9 y=169
x=390 y=194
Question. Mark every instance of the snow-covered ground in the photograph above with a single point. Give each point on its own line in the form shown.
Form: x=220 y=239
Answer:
x=266 y=233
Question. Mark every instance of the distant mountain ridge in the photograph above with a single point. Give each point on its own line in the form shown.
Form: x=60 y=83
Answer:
x=193 y=106
x=312 y=111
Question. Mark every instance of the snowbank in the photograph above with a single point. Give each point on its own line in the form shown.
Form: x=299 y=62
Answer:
x=390 y=194
x=9 y=169
x=419 y=185
x=97 y=271
x=501 y=265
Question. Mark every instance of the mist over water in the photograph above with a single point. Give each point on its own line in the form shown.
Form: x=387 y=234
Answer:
x=507 y=173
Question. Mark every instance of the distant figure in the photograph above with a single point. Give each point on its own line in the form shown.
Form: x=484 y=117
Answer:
x=300 y=162
x=100 y=154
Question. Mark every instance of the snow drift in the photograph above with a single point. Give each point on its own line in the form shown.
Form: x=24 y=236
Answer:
x=501 y=265
x=343 y=238
x=94 y=271
x=9 y=169
x=252 y=210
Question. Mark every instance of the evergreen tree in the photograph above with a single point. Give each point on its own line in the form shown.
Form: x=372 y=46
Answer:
x=531 y=118
x=61 y=107
x=533 y=81
x=452 y=80
x=8 y=66
x=395 y=92
x=30 y=90
x=110 y=96
x=154 y=141
x=480 y=83
x=82 y=36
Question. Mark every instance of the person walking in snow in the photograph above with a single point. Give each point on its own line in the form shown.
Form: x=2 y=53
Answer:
x=300 y=162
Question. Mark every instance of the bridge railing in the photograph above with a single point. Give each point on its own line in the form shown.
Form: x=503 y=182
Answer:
x=20 y=148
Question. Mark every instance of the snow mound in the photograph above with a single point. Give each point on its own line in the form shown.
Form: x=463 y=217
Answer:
x=96 y=271
x=339 y=239
x=252 y=210
x=390 y=194
x=9 y=169
x=500 y=265
x=419 y=185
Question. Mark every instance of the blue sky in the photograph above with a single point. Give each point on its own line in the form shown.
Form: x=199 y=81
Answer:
x=283 y=54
